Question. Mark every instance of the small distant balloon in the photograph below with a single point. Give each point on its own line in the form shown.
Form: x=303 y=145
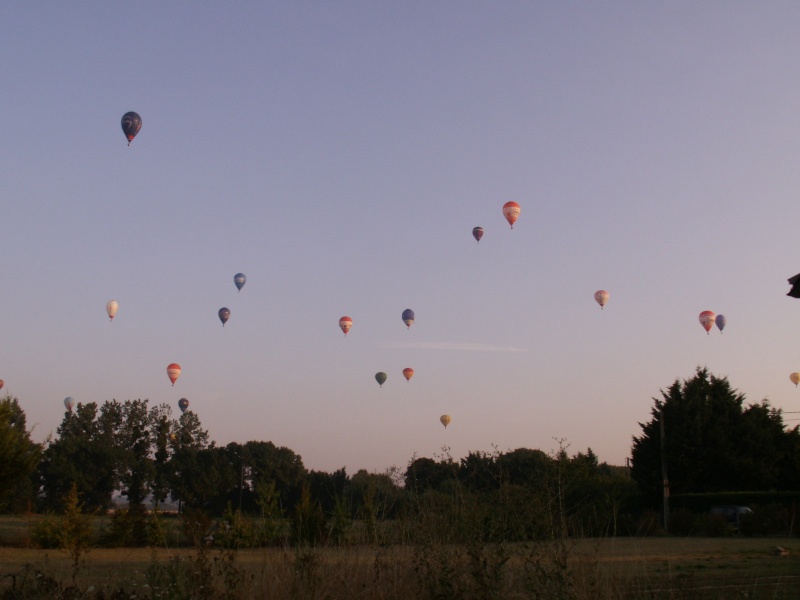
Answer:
x=2 y=383
x=445 y=420
x=173 y=372
x=345 y=323
x=111 y=309
x=795 y=378
x=224 y=315
x=380 y=378
x=601 y=297
x=721 y=321
x=408 y=373
x=408 y=317
x=239 y=280
x=511 y=212
x=183 y=404
x=131 y=124
x=69 y=402
x=477 y=233
x=706 y=319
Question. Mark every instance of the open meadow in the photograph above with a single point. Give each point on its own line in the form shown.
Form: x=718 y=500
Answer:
x=653 y=567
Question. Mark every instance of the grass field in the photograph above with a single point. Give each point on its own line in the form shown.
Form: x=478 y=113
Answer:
x=607 y=568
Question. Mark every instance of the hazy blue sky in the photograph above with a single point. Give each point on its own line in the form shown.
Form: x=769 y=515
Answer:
x=339 y=154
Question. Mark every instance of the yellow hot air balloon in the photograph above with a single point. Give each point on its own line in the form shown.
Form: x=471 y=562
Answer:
x=445 y=419
x=795 y=377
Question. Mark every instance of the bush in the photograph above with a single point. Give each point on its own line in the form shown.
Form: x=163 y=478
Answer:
x=45 y=531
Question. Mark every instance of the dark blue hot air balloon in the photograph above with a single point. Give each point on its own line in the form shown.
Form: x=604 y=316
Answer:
x=183 y=404
x=408 y=317
x=224 y=315
x=131 y=124
x=239 y=279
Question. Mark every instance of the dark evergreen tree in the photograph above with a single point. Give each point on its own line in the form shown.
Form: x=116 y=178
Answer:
x=712 y=442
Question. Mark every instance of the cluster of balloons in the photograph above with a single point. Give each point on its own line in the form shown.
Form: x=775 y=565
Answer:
x=708 y=319
x=381 y=377
x=511 y=212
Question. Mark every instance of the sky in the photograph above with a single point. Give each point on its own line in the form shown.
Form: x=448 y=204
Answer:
x=339 y=154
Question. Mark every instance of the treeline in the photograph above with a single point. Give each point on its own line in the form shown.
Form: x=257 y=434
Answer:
x=713 y=444
x=144 y=455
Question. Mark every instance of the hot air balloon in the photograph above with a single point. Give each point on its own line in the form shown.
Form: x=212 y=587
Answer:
x=239 y=280
x=721 y=321
x=707 y=320
x=183 y=404
x=111 y=309
x=511 y=212
x=224 y=315
x=69 y=402
x=2 y=383
x=380 y=378
x=345 y=323
x=601 y=297
x=131 y=124
x=445 y=419
x=173 y=372
x=477 y=233
x=408 y=373
x=408 y=317
x=795 y=378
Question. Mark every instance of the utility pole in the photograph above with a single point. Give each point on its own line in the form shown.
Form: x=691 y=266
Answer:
x=664 y=478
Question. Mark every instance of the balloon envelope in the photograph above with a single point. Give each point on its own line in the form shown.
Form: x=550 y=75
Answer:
x=795 y=377
x=408 y=317
x=511 y=212
x=239 y=280
x=380 y=378
x=131 y=124
x=477 y=233
x=445 y=420
x=224 y=315
x=706 y=319
x=173 y=372
x=69 y=402
x=408 y=373
x=2 y=383
x=601 y=297
x=345 y=323
x=111 y=309
x=183 y=404
x=721 y=321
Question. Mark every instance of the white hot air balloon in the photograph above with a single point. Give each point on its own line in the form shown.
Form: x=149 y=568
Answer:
x=445 y=420
x=111 y=308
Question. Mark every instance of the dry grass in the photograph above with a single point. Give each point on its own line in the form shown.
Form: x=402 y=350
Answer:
x=596 y=569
